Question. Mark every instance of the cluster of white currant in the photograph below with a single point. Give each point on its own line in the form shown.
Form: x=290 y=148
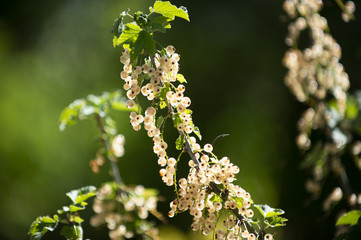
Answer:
x=120 y=212
x=356 y=151
x=204 y=205
x=195 y=193
x=164 y=72
x=348 y=11
x=315 y=72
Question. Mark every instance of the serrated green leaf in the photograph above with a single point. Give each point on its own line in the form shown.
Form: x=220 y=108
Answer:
x=144 y=42
x=74 y=208
x=176 y=119
x=78 y=219
x=351 y=108
x=41 y=225
x=181 y=78
x=129 y=34
x=159 y=121
x=170 y=11
x=70 y=115
x=349 y=218
x=188 y=111
x=160 y=24
x=275 y=221
x=72 y=233
x=118 y=25
x=197 y=132
x=268 y=212
x=179 y=142
x=82 y=194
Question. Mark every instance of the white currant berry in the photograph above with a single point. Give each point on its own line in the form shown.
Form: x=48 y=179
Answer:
x=123 y=75
x=252 y=236
x=181 y=88
x=208 y=147
x=170 y=50
x=249 y=213
x=268 y=236
x=150 y=111
x=130 y=103
x=245 y=234
x=162 y=161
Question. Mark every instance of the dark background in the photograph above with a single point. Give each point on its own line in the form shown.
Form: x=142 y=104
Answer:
x=52 y=52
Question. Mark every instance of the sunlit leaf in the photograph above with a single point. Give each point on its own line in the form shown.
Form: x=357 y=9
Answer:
x=41 y=225
x=82 y=194
x=349 y=218
x=129 y=34
x=197 y=132
x=181 y=78
x=179 y=142
x=160 y=24
x=72 y=233
x=275 y=221
x=170 y=11
x=268 y=211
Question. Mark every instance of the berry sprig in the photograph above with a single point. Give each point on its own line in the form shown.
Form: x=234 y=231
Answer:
x=317 y=78
x=122 y=208
x=209 y=188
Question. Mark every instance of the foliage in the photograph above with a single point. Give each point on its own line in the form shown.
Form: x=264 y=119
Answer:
x=209 y=189
x=68 y=216
x=317 y=78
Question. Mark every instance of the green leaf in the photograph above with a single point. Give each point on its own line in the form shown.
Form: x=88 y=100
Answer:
x=179 y=142
x=144 y=42
x=118 y=25
x=78 y=219
x=70 y=115
x=276 y=222
x=160 y=121
x=41 y=225
x=129 y=34
x=197 y=132
x=188 y=111
x=170 y=11
x=73 y=208
x=72 y=233
x=181 y=78
x=176 y=119
x=82 y=194
x=160 y=24
x=351 y=108
x=268 y=212
x=349 y=218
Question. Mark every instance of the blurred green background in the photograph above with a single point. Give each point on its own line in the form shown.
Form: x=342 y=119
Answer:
x=52 y=52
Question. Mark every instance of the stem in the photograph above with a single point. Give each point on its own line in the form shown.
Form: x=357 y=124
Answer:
x=213 y=186
x=112 y=159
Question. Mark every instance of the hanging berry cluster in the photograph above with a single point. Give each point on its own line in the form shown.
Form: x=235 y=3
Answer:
x=317 y=78
x=209 y=188
x=123 y=209
x=125 y=214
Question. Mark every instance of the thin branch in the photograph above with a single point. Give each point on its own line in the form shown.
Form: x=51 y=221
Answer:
x=111 y=157
x=212 y=185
